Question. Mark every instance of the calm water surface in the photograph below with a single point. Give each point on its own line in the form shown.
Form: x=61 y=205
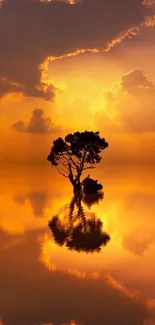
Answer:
x=43 y=283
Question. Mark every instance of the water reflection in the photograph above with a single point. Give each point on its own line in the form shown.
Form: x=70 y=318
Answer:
x=45 y=283
x=91 y=199
x=38 y=201
x=77 y=229
x=31 y=294
x=138 y=243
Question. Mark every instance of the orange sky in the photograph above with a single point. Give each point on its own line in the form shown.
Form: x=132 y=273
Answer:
x=83 y=88
x=104 y=81
x=68 y=66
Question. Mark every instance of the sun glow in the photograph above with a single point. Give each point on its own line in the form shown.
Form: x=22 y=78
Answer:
x=48 y=256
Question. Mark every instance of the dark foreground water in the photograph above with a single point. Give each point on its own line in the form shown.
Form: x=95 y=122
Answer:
x=45 y=283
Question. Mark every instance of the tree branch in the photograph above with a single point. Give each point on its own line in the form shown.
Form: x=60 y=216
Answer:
x=66 y=168
x=72 y=165
x=67 y=161
x=61 y=172
x=71 y=158
x=92 y=167
x=83 y=159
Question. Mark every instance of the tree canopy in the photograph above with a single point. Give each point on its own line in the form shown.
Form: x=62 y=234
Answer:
x=77 y=152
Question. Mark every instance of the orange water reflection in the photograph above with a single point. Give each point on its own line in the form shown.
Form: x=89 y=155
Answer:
x=123 y=270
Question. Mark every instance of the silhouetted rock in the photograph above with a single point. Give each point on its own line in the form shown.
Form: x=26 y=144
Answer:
x=90 y=186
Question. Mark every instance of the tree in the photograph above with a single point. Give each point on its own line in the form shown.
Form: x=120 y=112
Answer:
x=77 y=152
x=79 y=230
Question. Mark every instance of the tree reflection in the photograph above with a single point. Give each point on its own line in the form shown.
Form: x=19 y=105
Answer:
x=91 y=199
x=78 y=230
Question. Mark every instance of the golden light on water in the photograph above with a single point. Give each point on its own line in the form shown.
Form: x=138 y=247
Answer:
x=47 y=247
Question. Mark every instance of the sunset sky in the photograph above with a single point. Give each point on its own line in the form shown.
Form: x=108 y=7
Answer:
x=67 y=66
x=76 y=65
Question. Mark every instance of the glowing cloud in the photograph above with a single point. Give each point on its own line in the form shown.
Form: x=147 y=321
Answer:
x=133 y=105
x=79 y=27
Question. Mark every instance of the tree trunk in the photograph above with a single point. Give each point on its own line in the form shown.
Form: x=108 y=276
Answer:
x=77 y=188
x=76 y=183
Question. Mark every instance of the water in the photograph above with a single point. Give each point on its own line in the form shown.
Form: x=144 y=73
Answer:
x=43 y=283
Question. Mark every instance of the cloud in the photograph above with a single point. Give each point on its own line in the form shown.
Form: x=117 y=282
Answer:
x=71 y=322
x=135 y=82
x=7 y=241
x=138 y=243
x=132 y=105
x=149 y=2
x=139 y=208
x=38 y=124
x=38 y=201
x=46 y=92
x=32 y=31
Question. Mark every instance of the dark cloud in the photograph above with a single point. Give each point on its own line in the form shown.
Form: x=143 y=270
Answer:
x=31 y=31
x=38 y=201
x=43 y=91
x=38 y=124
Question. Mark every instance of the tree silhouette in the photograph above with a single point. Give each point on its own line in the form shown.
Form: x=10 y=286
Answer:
x=91 y=199
x=91 y=186
x=78 y=152
x=79 y=231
